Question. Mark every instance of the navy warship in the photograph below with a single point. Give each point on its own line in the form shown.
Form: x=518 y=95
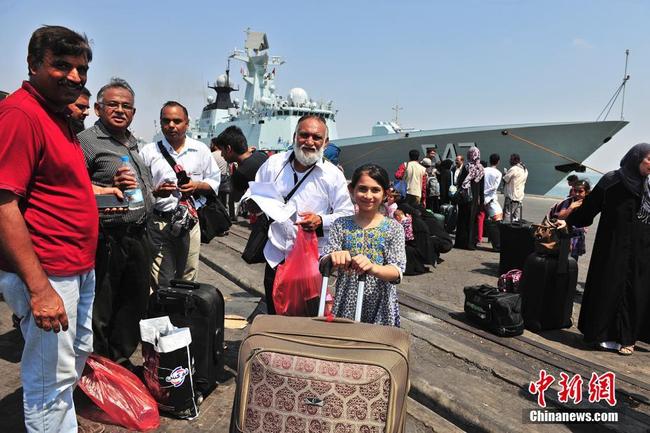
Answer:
x=268 y=120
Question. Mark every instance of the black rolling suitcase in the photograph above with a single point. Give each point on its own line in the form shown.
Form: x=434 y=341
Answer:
x=548 y=287
x=450 y=213
x=199 y=307
x=516 y=243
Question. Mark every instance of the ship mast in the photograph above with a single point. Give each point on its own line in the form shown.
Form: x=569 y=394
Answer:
x=397 y=109
x=625 y=78
x=619 y=91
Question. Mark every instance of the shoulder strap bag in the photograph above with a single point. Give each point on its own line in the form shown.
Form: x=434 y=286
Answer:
x=213 y=217
x=185 y=216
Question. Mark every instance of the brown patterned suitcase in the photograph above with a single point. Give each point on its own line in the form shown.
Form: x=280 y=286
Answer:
x=300 y=374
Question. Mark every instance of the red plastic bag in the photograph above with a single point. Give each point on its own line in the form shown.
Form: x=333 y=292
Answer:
x=296 y=289
x=120 y=394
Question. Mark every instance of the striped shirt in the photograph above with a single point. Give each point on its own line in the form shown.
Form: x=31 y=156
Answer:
x=103 y=157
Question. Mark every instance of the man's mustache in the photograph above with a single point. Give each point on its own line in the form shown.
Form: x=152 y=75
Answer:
x=67 y=83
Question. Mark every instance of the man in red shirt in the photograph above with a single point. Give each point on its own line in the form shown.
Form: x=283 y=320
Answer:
x=48 y=227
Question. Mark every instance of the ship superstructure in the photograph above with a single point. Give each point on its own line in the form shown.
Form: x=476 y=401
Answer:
x=266 y=118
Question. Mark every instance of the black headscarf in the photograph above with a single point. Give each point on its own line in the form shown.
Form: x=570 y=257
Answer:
x=446 y=164
x=629 y=171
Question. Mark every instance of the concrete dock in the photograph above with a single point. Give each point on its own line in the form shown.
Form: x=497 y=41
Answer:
x=462 y=378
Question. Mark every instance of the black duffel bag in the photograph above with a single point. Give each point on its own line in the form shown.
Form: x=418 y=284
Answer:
x=254 y=250
x=213 y=219
x=497 y=311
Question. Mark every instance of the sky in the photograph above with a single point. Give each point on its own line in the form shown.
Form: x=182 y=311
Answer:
x=448 y=64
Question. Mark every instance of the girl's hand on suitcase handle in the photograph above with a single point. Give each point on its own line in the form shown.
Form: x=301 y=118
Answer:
x=362 y=264
x=341 y=260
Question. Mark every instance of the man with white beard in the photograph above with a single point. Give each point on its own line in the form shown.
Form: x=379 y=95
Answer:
x=320 y=198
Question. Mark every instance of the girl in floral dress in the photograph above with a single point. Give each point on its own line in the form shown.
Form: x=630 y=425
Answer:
x=367 y=243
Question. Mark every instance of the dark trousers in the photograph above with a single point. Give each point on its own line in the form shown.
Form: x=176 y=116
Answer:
x=413 y=200
x=123 y=272
x=433 y=203
x=224 y=198
x=269 y=278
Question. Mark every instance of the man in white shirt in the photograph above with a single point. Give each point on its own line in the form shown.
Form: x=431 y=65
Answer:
x=413 y=177
x=321 y=198
x=492 y=182
x=515 y=182
x=176 y=255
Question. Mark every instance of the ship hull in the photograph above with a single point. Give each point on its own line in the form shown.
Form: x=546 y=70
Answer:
x=574 y=140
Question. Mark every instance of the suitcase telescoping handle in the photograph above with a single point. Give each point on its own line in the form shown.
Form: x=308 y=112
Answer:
x=326 y=270
x=184 y=284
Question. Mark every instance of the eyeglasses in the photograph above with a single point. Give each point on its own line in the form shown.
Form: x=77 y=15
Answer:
x=113 y=105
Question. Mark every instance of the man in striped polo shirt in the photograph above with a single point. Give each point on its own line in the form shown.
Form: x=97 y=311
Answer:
x=123 y=251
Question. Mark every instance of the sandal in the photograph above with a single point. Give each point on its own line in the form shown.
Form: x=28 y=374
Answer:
x=626 y=350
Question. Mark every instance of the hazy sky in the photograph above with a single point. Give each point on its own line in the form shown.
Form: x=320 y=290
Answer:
x=449 y=64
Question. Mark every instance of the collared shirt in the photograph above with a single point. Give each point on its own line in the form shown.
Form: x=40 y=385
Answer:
x=197 y=161
x=455 y=172
x=515 y=181
x=103 y=154
x=42 y=163
x=324 y=192
x=492 y=181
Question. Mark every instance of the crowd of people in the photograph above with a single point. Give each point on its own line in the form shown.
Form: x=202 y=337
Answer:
x=469 y=186
x=79 y=279
x=616 y=302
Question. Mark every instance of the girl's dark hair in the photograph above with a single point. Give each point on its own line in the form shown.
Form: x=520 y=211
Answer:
x=377 y=173
x=582 y=183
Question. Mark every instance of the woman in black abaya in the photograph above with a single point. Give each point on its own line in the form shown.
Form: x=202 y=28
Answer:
x=615 y=311
x=471 y=179
x=444 y=178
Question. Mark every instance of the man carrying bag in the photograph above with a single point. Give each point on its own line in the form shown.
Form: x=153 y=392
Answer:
x=182 y=183
x=313 y=186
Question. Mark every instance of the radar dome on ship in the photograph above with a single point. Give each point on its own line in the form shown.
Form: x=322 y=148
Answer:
x=298 y=97
x=222 y=81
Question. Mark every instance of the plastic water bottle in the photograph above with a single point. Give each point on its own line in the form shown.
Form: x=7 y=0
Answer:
x=134 y=195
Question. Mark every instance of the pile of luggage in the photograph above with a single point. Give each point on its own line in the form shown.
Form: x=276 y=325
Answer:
x=305 y=373
x=537 y=284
